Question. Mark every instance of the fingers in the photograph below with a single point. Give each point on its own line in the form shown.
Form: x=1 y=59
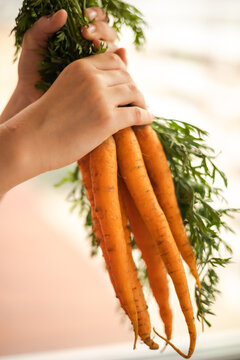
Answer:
x=99 y=30
x=130 y=116
x=123 y=55
x=36 y=37
x=57 y=21
x=111 y=47
x=115 y=77
x=95 y=13
x=105 y=61
x=126 y=94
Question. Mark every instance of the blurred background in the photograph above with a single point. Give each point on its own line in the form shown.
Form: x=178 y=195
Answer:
x=52 y=295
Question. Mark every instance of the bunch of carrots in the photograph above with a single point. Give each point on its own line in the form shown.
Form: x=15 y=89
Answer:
x=137 y=189
x=128 y=183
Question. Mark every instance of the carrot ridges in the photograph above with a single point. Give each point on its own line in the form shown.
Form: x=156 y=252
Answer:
x=144 y=325
x=162 y=181
x=103 y=169
x=157 y=274
x=134 y=173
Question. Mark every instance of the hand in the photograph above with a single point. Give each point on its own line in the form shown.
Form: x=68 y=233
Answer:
x=99 y=31
x=35 y=40
x=78 y=112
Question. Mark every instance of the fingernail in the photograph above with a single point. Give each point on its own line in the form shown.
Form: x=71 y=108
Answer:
x=92 y=14
x=100 y=45
x=103 y=44
x=91 y=28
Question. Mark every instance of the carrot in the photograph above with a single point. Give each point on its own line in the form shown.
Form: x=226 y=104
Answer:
x=156 y=270
x=162 y=181
x=134 y=173
x=84 y=165
x=103 y=168
x=141 y=307
x=144 y=325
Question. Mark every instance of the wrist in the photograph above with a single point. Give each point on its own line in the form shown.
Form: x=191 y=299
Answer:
x=10 y=159
x=23 y=95
x=13 y=106
x=19 y=157
x=27 y=92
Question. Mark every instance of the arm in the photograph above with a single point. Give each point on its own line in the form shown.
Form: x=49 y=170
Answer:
x=11 y=159
x=16 y=103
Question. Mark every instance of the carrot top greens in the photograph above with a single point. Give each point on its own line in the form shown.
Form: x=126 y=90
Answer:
x=192 y=165
x=191 y=160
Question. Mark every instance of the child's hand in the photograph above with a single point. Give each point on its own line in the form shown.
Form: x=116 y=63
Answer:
x=99 y=30
x=36 y=38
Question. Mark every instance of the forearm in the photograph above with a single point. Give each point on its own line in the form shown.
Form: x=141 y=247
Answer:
x=20 y=99
x=9 y=163
x=16 y=151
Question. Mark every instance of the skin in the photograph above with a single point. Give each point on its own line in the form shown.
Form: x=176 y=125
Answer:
x=40 y=133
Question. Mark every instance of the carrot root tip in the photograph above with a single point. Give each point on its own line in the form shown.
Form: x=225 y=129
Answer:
x=135 y=340
x=164 y=347
x=172 y=345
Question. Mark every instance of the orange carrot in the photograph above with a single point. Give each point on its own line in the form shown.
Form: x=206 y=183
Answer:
x=134 y=173
x=156 y=270
x=162 y=181
x=103 y=168
x=84 y=165
x=144 y=325
x=141 y=306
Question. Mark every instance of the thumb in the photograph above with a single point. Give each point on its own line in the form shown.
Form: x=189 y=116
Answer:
x=36 y=37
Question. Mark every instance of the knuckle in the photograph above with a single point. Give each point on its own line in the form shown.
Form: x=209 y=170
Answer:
x=126 y=75
x=132 y=87
x=94 y=82
x=105 y=116
x=81 y=68
x=137 y=116
x=36 y=37
x=78 y=66
x=27 y=36
x=91 y=79
x=101 y=12
x=29 y=41
x=115 y=58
